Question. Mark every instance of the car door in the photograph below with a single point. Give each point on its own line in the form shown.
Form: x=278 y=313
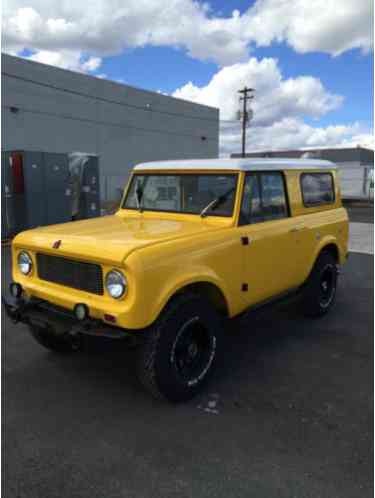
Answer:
x=267 y=236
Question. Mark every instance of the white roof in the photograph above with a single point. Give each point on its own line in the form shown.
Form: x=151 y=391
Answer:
x=248 y=164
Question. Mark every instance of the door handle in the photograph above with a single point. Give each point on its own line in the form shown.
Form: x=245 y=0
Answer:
x=245 y=240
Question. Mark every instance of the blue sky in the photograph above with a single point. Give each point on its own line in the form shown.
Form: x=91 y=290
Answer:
x=165 y=69
x=312 y=68
x=158 y=68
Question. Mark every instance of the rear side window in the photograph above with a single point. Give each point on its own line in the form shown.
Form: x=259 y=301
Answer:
x=264 y=198
x=317 y=189
x=273 y=196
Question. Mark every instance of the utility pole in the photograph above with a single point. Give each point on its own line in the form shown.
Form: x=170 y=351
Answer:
x=247 y=95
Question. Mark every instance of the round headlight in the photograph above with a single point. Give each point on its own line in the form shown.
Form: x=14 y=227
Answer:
x=25 y=263
x=116 y=284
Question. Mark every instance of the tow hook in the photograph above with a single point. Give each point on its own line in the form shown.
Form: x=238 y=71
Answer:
x=75 y=337
x=73 y=333
x=79 y=328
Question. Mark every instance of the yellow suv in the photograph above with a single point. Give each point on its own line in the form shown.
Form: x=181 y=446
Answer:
x=193 y=243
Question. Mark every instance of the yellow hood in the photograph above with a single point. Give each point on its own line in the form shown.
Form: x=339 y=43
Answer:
x=109 y=239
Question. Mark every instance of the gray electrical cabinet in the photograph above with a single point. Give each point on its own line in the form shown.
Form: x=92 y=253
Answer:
x=85 y=185
x=40 y=188
x=90 y=189
x=58 y=193
x=35 y=189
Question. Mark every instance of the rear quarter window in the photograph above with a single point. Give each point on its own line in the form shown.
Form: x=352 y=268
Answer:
x=317 y=189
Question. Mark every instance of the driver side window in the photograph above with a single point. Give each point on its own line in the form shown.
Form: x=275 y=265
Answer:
x=264 y=198
x=251 y=211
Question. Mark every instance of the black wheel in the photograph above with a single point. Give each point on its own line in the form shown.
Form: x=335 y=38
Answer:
x=181 y=349
x=320 y=292
x=58 y=344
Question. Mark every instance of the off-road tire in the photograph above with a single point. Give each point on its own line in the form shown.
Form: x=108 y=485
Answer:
x=57 y=344
x=155 y=367
x=313 y=301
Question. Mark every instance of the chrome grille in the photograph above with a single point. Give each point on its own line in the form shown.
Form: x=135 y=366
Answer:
x=79 y=275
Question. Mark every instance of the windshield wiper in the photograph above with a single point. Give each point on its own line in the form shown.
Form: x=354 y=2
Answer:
x=214 y=204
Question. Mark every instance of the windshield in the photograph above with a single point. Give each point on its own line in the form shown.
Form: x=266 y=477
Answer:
x=183 y=193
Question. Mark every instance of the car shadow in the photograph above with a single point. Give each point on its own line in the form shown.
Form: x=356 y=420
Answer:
x=112 y=363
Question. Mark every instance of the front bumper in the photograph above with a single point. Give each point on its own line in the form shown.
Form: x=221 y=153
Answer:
x=59 y=321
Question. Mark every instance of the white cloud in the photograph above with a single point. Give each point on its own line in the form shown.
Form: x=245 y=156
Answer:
x=280 y=106
x=67 y=59
x=363 y=139
x=91 y=64
x=104 y=27
x=290 y=133
x=330 y=26
x=275 y=97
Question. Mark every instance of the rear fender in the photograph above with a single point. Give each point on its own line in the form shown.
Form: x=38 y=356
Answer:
x=326 y=241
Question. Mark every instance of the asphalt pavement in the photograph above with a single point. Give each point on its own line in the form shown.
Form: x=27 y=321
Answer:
x=288 y=414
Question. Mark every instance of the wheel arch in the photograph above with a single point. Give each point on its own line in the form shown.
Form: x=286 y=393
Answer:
x=206 y=288
x=333 y=249
x=209 y=291
x=326 y=245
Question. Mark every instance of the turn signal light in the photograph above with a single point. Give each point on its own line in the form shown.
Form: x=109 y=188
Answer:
x=81 y=311
x=15 y=290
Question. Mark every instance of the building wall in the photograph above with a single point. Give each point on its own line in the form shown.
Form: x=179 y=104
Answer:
x=53 y=110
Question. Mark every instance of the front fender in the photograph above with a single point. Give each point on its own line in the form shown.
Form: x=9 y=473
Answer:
x=165 y=269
